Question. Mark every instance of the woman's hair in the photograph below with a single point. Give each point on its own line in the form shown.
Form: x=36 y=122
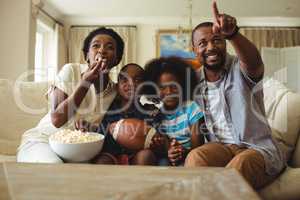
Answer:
x=176 y=66
x=104 y=31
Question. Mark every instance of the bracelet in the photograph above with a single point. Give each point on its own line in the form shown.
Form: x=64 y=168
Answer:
x=235 y=32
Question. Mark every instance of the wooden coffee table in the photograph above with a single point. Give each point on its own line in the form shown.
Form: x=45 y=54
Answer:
x=99 y=182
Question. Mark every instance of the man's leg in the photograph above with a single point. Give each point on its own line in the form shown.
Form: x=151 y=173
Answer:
x=250 y=163
x=144 y=157
x=210 y=154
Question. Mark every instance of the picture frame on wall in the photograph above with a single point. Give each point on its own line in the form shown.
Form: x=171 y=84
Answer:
x=172 y=42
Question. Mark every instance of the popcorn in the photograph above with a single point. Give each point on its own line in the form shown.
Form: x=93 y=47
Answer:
x=74 y=137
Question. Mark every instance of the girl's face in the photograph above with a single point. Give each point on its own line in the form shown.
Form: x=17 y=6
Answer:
x=103 y=48
x=128 y=82
x=169 y=90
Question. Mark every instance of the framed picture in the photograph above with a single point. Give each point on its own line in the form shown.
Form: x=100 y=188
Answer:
x=175 y=43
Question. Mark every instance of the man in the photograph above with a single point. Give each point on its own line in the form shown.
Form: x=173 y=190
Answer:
x=231 y=96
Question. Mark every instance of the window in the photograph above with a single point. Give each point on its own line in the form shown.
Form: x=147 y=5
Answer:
x=44 y=69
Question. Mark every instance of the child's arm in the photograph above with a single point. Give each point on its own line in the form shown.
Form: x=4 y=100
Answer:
x=176 y=152
x=159 y=144
x=197 y=138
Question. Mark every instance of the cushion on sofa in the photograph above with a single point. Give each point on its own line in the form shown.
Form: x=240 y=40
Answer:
x=295 y=162
x=22 y=105
x=283 y=113
x=286 y=186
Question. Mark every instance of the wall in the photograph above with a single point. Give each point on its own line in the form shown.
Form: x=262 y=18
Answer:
x=147 y=28
x=17 y=43
x=146 y=35
x=17 y=35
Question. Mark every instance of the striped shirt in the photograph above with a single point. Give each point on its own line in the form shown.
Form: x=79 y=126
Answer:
x=177 y=125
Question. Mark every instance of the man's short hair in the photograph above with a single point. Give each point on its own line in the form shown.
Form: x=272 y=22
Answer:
x=201 y=25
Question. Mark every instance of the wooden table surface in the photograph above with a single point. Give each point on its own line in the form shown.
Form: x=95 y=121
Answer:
x=88 y=182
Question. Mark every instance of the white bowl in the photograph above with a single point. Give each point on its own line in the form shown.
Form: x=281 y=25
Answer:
x=77 y=152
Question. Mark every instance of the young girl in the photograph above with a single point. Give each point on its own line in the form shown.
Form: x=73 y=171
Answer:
x=176 y=82
x=126 y=149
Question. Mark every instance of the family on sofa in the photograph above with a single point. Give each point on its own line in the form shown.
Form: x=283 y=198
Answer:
x=213 y=117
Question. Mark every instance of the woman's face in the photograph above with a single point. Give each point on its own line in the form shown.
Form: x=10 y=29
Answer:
x=103 y=48
x=169 y=90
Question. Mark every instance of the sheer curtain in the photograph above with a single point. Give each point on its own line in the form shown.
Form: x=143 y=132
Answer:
x=128 y=34
x=272 y=36
x=61 y=46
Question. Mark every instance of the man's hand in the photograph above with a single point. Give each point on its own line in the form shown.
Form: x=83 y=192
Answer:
x=246 y=51
x=176 y=152
x=224 y=24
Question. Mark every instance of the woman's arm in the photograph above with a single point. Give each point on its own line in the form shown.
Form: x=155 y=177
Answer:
x=63 y=107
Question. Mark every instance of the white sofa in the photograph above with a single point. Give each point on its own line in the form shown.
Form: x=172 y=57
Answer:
x=23 y=104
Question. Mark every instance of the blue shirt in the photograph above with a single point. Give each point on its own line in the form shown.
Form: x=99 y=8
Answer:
x=177 y=125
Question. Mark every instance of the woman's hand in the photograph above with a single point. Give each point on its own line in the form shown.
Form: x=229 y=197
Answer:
x=176 y=152
x=95 y=70
x=85 y=126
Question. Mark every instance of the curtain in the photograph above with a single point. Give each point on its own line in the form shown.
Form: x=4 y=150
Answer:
x=61 y=46
x=78 y=34
x=272 y=37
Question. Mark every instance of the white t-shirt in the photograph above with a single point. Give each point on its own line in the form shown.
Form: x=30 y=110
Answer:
x=92 y=108
x=221 y=128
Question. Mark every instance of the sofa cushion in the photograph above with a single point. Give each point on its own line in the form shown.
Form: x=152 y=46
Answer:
x=286 y=186
x=295 y=162
x=22 y=105
x=283 y=113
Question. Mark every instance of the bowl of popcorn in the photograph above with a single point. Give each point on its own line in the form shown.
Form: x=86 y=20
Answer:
x=76 y=146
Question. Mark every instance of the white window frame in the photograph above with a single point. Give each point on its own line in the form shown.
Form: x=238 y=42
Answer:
x=44 y=69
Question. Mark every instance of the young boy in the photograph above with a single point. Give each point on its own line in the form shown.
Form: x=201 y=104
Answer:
x=176 y=81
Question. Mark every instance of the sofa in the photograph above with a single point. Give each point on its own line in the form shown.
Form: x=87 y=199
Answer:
x=23 y=104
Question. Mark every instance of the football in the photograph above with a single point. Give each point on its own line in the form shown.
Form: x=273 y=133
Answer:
x=133 y=134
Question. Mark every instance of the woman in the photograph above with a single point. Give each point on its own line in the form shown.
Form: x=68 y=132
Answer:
x=79 y=92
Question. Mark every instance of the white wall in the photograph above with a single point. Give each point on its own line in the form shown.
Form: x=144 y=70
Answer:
x=15 y=38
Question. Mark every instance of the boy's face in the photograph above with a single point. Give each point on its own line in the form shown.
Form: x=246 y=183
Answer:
x=169 y=90
x=128 y=82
